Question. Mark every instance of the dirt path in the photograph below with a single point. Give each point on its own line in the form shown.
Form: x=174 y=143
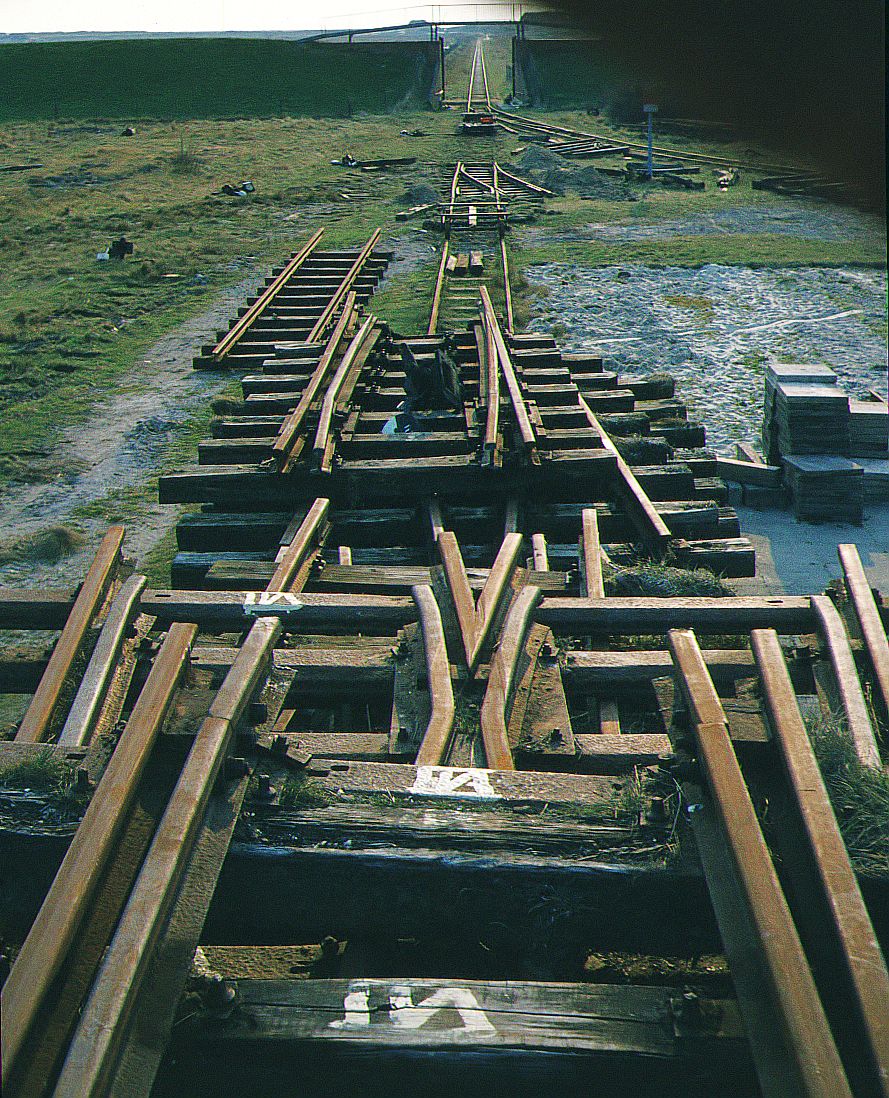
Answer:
x=120 y=447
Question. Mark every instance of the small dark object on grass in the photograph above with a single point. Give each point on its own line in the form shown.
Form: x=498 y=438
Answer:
x=237 y=190
x=128 y=131
x=120 y=249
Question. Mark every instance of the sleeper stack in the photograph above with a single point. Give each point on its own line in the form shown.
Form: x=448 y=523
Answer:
x=814 y=431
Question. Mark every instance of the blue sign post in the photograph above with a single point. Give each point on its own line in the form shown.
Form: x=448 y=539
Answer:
x=650 y=110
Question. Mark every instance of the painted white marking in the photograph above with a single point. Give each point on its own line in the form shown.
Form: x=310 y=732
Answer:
x=403 y=1013
x=356 y=1007
x=257 y=602
x=447 y=781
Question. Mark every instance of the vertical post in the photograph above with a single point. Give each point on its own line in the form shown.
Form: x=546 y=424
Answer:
x=650 y=110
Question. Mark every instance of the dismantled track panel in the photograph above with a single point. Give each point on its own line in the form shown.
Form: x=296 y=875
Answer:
x=396 y=757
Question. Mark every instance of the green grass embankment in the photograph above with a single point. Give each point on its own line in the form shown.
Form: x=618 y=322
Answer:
x=210 y=78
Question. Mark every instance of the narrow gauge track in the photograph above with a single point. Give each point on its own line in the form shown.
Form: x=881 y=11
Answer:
x=478 y=97
x=414 y=629
x=474 y=222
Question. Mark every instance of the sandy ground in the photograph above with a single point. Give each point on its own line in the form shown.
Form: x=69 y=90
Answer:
x=806 y=220
x=122 y=444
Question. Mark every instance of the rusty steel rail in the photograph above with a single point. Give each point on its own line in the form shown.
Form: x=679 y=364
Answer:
x=85 y=708
x=851 y=695
x=494 y=593
x=478 y=62
x=439 y=730
x=290 y=428
x=489 y=390
x=358 y=349
x=255 y=311
x=520 y=409
x=432 y=327
x=652 y=529
x=343 y=289
x=869 y=621
x=519 y=122
x=862 y=963
x=293 y=558
x=36 y=722
x=73 y=889
x=100 y=1028
x=809 y=1063
x=501 y=679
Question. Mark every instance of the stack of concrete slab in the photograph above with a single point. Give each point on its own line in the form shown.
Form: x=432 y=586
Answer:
x=869 y=428
x=806 y=412
x=779 y=435
x=825 y=487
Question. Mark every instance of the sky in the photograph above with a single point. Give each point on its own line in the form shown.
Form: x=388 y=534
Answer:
x=217 y=15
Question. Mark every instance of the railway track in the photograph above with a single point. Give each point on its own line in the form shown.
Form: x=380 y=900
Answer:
x=483 y=199
x=364 y=797
x=409 y=644
x=478 y=97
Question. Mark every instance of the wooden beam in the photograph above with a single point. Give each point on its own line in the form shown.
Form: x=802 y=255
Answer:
x=503 y=1018
x=35 y=608
x=623 y=670
x=591 y=582
x=786 y=613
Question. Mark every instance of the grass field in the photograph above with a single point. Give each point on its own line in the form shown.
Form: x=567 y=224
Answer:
x=211 y=78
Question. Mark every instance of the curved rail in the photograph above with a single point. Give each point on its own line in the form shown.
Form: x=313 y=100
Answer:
x=438 y=675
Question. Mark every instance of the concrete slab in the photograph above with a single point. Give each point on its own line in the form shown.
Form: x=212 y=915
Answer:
x=800 y=558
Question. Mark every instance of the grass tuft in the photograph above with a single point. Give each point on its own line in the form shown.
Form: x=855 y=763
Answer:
x=859 y=795
x=664 y=581
x=47 y=546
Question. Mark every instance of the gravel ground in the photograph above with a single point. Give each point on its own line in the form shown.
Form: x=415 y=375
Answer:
x=716 y=328
x=806 y=220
